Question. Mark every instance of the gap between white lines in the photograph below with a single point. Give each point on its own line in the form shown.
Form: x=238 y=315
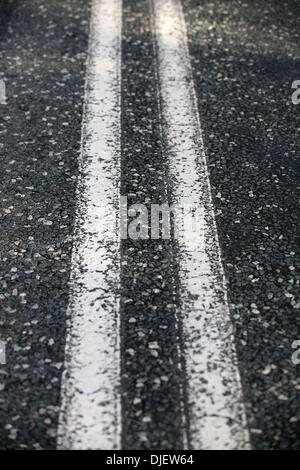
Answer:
x=216 y=413
x=90 y=416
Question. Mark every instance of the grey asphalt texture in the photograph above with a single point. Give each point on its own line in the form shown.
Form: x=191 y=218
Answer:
x=245 y=56
x=151 y=377
x=43 y=52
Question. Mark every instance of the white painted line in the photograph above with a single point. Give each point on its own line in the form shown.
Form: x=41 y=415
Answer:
x=214 y=397
x=90 y=415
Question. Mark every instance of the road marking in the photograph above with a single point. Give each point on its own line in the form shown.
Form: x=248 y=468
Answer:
x=216 y=414
x=90 y=416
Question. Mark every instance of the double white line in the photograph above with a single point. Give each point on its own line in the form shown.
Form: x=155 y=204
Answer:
x=90 y=415
x=90 y=412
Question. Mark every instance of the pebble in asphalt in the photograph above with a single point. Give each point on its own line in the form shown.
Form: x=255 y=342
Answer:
x=151 y=376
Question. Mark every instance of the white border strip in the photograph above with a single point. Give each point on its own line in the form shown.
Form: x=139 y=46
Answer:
x=90 y=416
x=216 y=414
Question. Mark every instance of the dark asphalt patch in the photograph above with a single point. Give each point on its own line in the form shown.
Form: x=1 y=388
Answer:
x=245 y=56
x=151 y=376
x=42 y=57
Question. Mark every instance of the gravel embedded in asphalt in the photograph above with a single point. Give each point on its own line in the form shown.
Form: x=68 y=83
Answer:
x=245 y=58
x=43 y=51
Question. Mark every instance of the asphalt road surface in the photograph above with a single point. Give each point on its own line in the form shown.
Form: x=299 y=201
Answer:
x=117 y=332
